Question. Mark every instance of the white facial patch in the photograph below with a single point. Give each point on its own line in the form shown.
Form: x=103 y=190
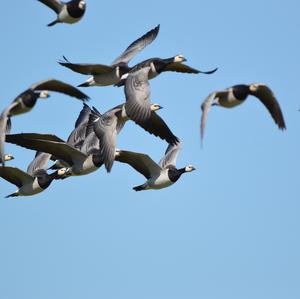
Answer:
x=81 y=5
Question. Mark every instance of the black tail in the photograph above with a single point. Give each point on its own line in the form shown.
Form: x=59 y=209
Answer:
x=53 y=23
x=15 y=194
x=140 y=187
x=85 y=84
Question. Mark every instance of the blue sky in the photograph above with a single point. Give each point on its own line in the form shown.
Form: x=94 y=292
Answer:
x=228 y=230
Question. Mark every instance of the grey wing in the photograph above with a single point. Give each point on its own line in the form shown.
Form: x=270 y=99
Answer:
x=53 y=4
x=205 y=107
x=59 y=86
x=183 y=68
x=137 y=93
x=60 y=150
x=5 y=125
x=105 y=129
x=137 y=46
x=15 y=176
x=171 y=155
x=77 y=136
x=48 y=137
x=266 y=96
x=91 y=144
x=140 y=162
x=83 y=115
x=39 y=162
x=155 y=125
x=87 y=69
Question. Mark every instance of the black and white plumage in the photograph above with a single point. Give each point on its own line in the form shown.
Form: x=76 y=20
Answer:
x=105 y=75
x=69 y=12
x=35 y=180
x=80 y=163
x=160 y=65
x=25 y=101
x=158 y=176
x=236 y=95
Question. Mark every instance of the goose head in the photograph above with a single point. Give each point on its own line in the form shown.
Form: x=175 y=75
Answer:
x=44 y=94
x=155 y=107
x=179 y=58
x=189 y=168
x=8 y=157
x=82 y=4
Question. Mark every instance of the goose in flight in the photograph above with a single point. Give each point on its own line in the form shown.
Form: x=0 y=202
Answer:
x=69 y=12
x=158 y=176
x=160 y=65
x=105 y=75
x=80 y=163
x=35 y=180
x=236 y=95
x=25 y=101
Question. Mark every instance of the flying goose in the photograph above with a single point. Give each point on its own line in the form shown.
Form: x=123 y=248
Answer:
x=104 y=75
x=108 y=125
x=69 y=12
x=236 y=95
x=79 y=138
x=160 y=65
x=158 y=176
x=25 y=101
x=80 y=163
x=35 y=180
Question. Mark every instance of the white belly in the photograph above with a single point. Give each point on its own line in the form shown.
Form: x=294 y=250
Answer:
x=162 y=181
x=106 y=79
x=31 y=189
x=84 y=168
x=64 y=16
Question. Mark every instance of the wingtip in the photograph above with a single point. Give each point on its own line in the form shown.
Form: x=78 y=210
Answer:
x=209 y=72
x=85 y=84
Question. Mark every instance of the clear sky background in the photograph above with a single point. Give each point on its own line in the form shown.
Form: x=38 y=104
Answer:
x=230 y=229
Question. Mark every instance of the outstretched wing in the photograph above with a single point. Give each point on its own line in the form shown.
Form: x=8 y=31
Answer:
x=266 y=96
x=60 y=150
x=140 y=162
x=15 y=176
x=105 y=128
x=59 y=86
x=183 y=68
x=171 y=155
x=155 y=125
x=55 y=5
x=205 y=107
x=87 y=69
x=137 y=46
x=137 y=93
x=5 y=125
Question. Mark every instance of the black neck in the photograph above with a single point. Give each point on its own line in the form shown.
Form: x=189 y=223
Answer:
x=174 y=174
x=45 y=180
x=241 y=91
x=74 y=10
x=29 y=98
